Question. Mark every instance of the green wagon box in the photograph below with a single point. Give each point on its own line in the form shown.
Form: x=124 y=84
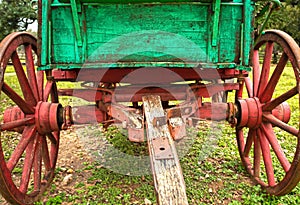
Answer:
x=153 y=68
x=137 y=33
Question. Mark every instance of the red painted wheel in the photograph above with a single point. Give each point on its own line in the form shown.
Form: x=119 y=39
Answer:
x=28 y=150
x=268 y=129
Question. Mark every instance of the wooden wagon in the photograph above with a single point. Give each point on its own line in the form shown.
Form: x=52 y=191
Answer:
x=147 y=54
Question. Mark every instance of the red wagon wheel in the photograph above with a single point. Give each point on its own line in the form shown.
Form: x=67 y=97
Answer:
x=268 y=131
x=28 y=147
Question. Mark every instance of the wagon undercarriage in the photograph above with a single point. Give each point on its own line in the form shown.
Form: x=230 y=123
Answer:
x=52 y=117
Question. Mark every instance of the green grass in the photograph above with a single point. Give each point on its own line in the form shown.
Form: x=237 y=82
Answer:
x=217 y=179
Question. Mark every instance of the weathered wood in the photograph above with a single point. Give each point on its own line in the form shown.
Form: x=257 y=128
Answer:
x=167 y=174
x=136 y=34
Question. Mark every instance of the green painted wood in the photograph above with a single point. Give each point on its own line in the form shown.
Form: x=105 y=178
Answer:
x=140 y=33
x=247 y=40
x=45 y=33
x=230 y=34
x=132 y=1
x=216 y=9
x=152 y=33
x=75 y=18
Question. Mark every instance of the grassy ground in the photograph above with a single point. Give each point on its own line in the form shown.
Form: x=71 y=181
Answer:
x=216 y=177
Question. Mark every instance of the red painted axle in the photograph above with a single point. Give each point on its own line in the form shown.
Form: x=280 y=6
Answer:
x=51 y=117
x=48 y=117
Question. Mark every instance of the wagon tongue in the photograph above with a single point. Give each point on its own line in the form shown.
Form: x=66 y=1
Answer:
x=163 y=156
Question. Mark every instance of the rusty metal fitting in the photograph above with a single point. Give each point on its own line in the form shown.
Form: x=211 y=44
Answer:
x=231 y=113
x=159 y=121
x=67 y=118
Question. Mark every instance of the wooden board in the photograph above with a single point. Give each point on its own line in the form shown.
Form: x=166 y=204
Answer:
x=147 y=34
x=167 y=174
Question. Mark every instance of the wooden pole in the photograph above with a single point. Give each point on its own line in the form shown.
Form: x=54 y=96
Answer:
x=167 y=174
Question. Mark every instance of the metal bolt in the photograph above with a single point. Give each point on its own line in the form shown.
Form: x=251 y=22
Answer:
x=124 y=124
x=187 y=111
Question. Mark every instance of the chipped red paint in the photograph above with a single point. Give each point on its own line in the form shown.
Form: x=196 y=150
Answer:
x=34 y=118
x=265 y=111
x=46 y=119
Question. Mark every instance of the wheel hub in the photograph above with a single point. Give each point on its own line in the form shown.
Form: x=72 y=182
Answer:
x=47 y=117
x=251 y=112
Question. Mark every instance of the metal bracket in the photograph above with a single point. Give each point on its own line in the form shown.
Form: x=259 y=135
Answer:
x=131 y=119
x=162 y=148
x=159 y=121
x=177 y=128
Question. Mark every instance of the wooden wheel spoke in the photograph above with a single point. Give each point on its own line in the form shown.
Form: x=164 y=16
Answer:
x=23 y=81
x=249 y=87
x=31 y=71
x=37 y=167
x=48 y=90
x=54 y=147
x=266 y=95
x=40 y=82
x=266 y=68
x=274 y=121
x=45 y=153
x=27 y=168
x=54 y=93
x=249 y=142
x=52 y=138
x=16 y=124
x=256 y=72
x=269 y=106
x=269 y=133
x=266 y=157
x=241 y=140
x=27 y=109
x=257 y=156
x=27 y=136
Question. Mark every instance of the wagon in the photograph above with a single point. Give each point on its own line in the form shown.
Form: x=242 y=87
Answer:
x=150 y=65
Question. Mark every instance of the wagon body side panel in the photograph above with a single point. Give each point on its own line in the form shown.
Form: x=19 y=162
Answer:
x=141 y=34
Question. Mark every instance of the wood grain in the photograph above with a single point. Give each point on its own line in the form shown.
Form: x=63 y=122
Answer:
x=167 y=174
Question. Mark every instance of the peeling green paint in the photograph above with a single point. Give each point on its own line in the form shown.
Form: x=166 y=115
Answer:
x=177 y=34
